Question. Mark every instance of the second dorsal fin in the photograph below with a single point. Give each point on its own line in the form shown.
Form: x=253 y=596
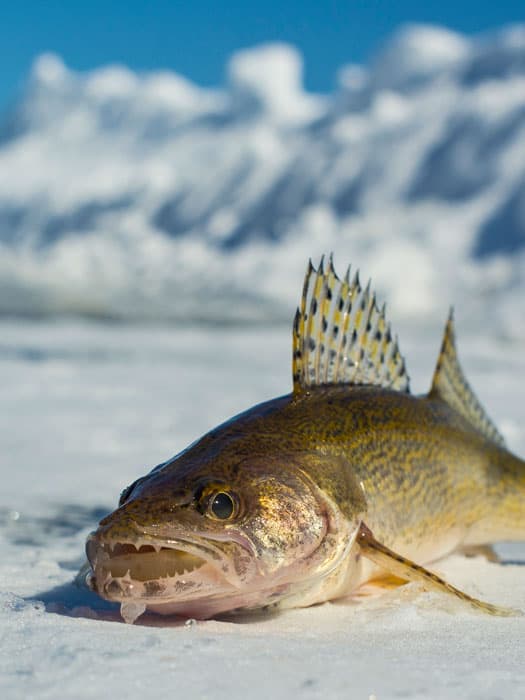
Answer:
x=449 y=384
x=340 y=336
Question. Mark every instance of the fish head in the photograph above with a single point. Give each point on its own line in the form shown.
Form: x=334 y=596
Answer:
x=200 y=537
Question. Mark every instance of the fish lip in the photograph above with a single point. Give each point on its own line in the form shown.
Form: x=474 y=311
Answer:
x=99 y=549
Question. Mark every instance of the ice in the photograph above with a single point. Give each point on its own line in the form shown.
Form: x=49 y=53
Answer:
x=131 y=611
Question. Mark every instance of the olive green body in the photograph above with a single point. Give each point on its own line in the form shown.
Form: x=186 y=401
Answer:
x=429 y=481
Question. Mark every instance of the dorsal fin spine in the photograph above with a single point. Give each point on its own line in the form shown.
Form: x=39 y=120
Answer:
x=328 y=319
x=316 y=308
x=324 y=306
x=343 y=304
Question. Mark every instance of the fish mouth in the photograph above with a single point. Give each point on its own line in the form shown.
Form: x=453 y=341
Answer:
x=147 y=562
x=150 y=571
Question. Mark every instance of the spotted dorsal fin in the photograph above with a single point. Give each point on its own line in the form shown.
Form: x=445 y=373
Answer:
x=449 y=384
x=340 y=336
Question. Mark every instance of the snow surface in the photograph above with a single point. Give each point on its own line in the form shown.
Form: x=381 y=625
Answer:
x=87 y=407
x=144 y=195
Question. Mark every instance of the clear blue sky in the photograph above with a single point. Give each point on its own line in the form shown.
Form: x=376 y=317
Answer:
x=195 y=37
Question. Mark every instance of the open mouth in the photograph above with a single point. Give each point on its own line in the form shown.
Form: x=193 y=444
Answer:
x=179 y=579
x=137 y=575
x=138 y=563
x=149 y=570
x=146 y=562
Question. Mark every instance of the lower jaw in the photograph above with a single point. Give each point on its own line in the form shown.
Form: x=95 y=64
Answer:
x=202 y=583
x=200 y=609
x=207 y=607
x=181 y=598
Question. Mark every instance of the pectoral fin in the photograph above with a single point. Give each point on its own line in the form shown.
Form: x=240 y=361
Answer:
x=409 y=571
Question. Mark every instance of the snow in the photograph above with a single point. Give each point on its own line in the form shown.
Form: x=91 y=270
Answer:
x=49 y=70
x=121 y=190
x=419 y=52
x=87 y=407
x=269 y=79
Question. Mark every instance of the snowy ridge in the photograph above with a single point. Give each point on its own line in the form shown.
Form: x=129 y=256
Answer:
x=146 y=196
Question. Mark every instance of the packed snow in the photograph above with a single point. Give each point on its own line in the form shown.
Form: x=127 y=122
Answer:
x=143 y=195
x=87 y=407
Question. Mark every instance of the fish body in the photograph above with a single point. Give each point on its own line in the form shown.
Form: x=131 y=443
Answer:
x=307 y=497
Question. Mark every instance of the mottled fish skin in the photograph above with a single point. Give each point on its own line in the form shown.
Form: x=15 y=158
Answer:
x=421 y=465
x=312 y=472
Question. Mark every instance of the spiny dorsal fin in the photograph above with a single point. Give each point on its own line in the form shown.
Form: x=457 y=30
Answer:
x=449 y=384
x=341 y=337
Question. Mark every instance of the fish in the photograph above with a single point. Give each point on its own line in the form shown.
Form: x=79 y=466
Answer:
x=349 y=481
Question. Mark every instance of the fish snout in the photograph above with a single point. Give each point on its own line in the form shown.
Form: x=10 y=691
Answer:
x=143 y=511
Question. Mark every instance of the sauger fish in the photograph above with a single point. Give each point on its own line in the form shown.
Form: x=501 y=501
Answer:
x=347 y=480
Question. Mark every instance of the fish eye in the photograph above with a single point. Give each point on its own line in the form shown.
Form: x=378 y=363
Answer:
x=222 y=506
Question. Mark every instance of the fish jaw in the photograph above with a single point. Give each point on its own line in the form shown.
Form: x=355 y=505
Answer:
x=158 y=574
x=193 y=580
x=179 y=579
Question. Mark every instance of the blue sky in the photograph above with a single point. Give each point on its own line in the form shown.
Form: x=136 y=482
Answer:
x=196 y=37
